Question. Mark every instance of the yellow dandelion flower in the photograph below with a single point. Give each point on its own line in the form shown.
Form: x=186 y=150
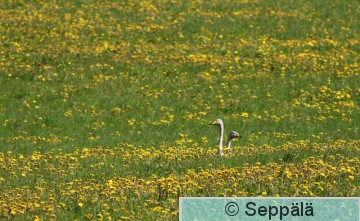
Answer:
x=13 y=211
x=244 y=115
x=36 y=218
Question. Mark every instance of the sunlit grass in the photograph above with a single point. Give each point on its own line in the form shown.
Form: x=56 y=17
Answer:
x=107 y=181
x=104 y=107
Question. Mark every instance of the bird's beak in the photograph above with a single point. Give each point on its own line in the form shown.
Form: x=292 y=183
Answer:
x=213 y=123
x=238 y=136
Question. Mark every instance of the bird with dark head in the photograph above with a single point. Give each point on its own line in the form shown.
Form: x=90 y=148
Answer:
x=232 y=135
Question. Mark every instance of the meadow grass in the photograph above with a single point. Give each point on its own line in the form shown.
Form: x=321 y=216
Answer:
x=105 y=105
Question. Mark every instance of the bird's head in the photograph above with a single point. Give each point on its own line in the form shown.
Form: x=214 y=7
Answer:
x=234 y=134
x=217 y=122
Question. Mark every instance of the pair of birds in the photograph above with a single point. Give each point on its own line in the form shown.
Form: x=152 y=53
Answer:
x=232 y=135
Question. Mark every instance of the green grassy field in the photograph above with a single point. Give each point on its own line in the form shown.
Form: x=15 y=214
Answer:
x=105 y=105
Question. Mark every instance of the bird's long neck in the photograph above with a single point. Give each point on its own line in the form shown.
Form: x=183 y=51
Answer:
x=228 y=143
x=221 y=136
